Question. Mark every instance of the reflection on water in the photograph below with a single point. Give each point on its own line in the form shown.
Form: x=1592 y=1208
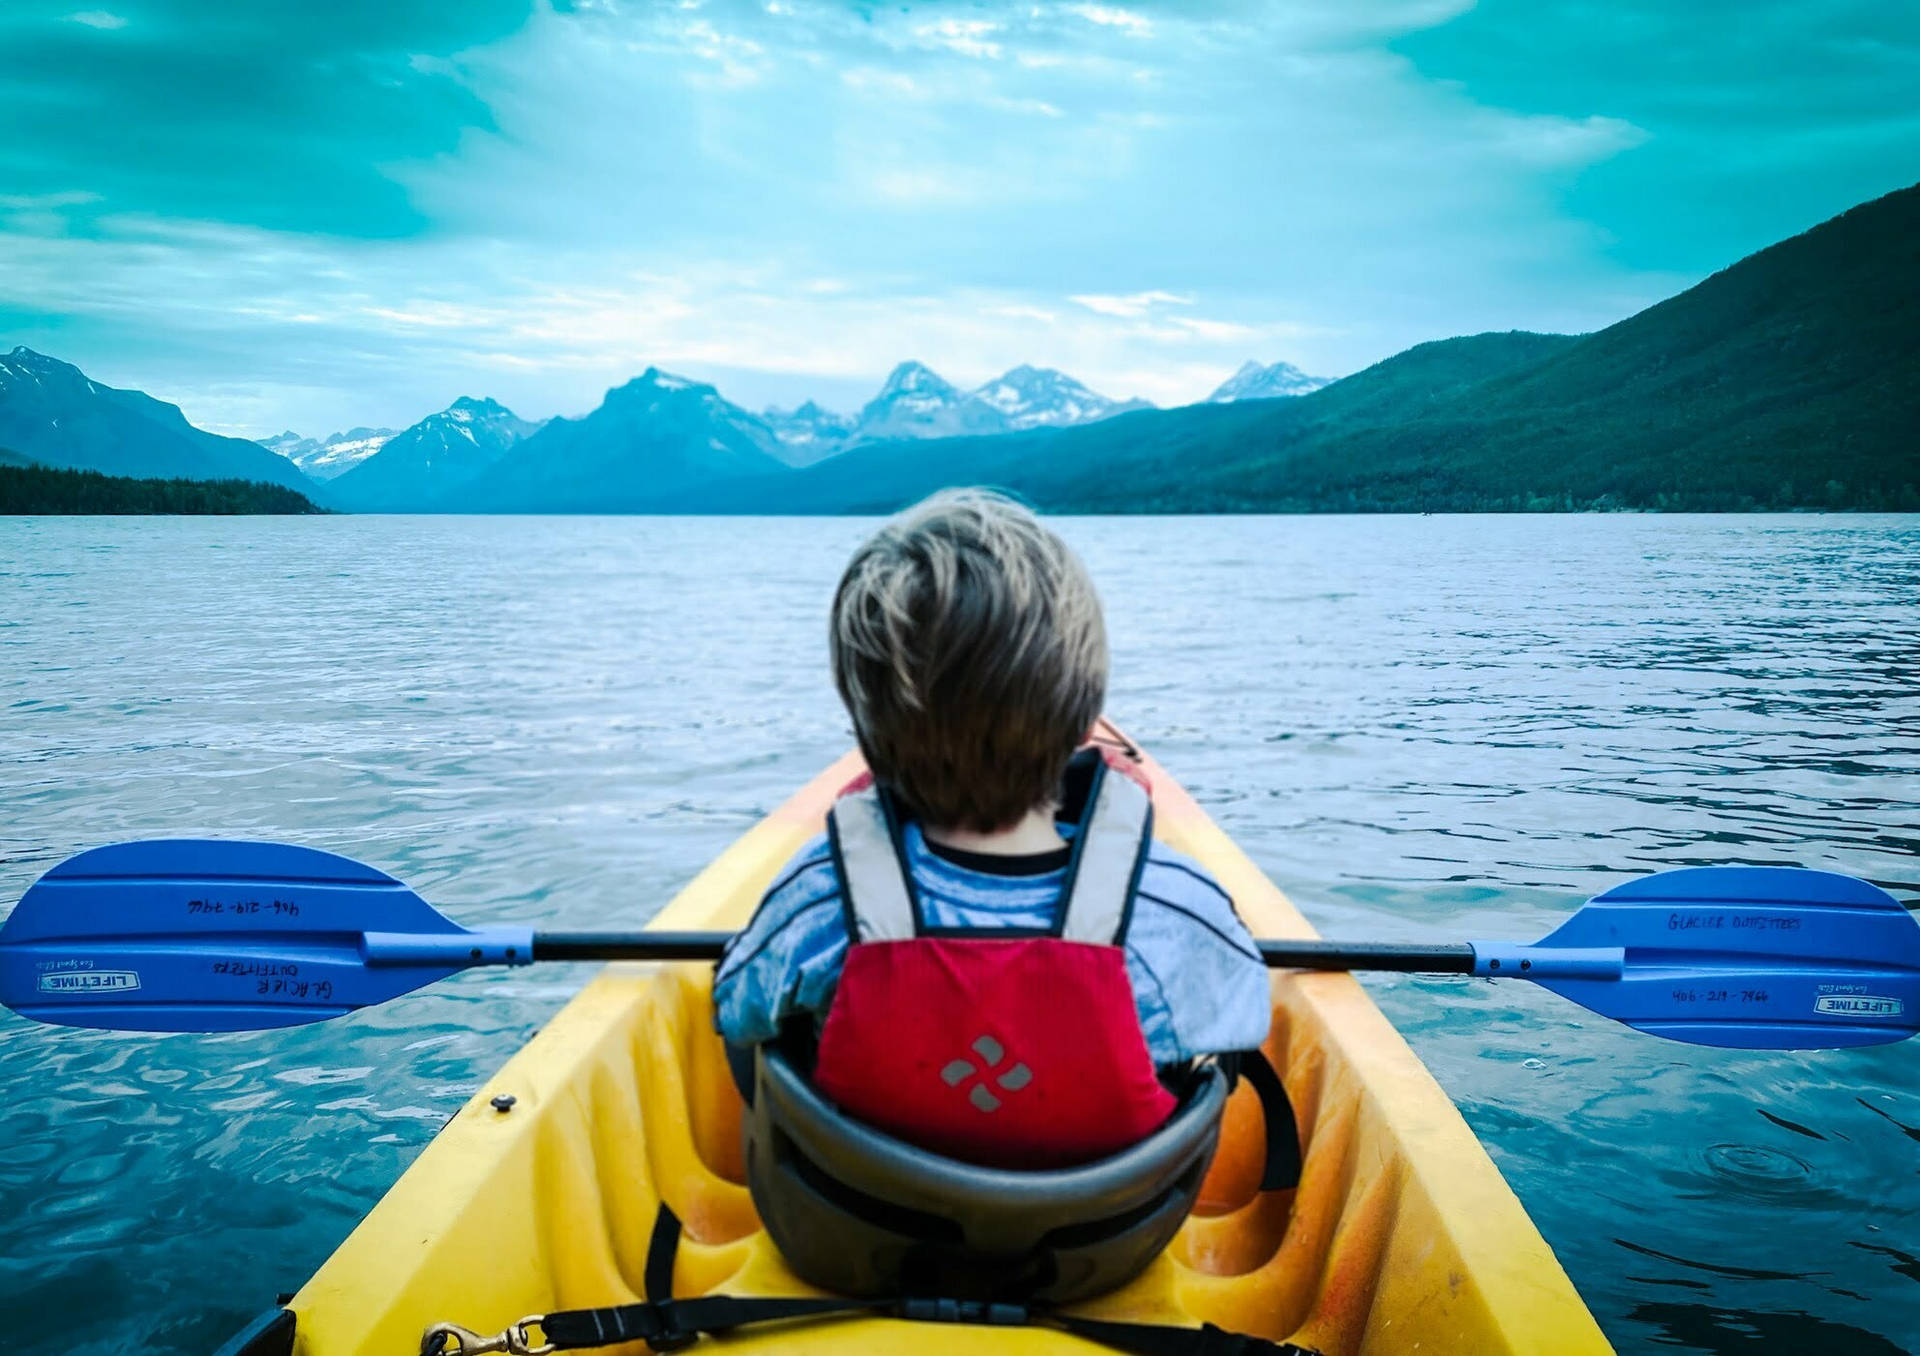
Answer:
x=1700 y=1327
x=1424 y=728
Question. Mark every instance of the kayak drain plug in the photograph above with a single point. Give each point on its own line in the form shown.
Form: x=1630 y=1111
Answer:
x=504 y=1101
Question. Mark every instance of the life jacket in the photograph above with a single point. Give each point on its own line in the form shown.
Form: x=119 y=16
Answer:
x=1013 y=1048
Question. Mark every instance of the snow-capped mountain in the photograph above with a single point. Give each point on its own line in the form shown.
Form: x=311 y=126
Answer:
x=916 y=402
x=1257 y=382
x=1028 y=397
x=659 y=440
x=53 y=413
x=653 y=443
x=326 y=458
x=436 y=456
x=809 y=433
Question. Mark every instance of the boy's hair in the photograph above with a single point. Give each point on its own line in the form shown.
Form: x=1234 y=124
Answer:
x=970 y=651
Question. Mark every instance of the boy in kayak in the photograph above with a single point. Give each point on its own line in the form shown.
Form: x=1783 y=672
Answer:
x=997 y=959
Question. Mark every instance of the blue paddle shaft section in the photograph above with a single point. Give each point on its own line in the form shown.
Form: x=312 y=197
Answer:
x=482 y=946
x=196 y=935
x=1512 y=960
x=1747 y=957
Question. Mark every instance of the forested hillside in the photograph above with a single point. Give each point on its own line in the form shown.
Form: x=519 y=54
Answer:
x=45 y=489
x=1790 y=380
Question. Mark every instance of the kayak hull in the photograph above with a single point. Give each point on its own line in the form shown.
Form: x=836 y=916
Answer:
x=1401 y=1236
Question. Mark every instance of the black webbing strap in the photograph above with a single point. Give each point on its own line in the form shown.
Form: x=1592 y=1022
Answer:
x=668 y=1324
x=662 y=1249
x=1154 y=1339
x=674 y=1325
x=671 y=1325
x=1282 y=1169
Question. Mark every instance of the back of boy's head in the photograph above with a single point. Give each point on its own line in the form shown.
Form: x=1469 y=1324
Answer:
x=969 y=648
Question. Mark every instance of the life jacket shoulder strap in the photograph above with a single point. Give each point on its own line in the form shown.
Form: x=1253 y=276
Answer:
x=880 y=901
x=1109 y=853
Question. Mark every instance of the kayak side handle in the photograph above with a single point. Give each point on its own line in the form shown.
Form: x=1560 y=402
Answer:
x=1516 y=960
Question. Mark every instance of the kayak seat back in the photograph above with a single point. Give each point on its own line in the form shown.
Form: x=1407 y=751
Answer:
x=857 y=1211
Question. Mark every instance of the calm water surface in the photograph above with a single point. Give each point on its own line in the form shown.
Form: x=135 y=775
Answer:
x=1422 y=728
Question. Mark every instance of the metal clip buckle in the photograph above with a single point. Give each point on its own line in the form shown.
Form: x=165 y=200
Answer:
x=513 y=1340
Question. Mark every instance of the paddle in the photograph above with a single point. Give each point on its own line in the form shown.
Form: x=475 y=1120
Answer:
x=189 y=935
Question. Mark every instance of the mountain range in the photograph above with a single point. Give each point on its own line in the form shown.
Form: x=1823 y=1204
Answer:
x=457 y=459
x=439 y=456
x=54 y=414
x=663 y=441
x=662 y=438
x=658 y=438
x=917 y=402
x=325 y=458
x=1790 y=379
x=1787 y=380
x=808 y=433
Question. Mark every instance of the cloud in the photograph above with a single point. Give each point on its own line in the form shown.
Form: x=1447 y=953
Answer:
x=1113 y=17
x=47 y=201
x=1039 y=107
x=350 y=214
x=740 y=60
x=1023 y=311
x=1550 y=142
x=1220 y=331
x=281 y=115
x=968 y=37
x=869 y=79
x=1136 y=303
x=214 y=327
x=1740 y=134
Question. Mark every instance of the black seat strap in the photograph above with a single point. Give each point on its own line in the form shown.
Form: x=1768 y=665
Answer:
x=1282 y=1169
x=662 y=1248
x=1157 y=1339
x=668 y=1324
x=674 y=1325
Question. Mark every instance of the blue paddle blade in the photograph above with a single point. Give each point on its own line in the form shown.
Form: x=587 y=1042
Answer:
x=196 y=935
x=1749 y=957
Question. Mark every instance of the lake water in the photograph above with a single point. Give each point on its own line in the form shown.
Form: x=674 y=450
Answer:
x=1422 y=728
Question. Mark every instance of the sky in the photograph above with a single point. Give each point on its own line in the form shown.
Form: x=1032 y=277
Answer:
x=314 y=216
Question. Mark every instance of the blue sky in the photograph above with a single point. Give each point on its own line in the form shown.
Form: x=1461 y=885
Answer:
x=319 y=215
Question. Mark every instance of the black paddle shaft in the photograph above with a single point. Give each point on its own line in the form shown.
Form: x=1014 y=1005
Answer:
x=1435 y=958
x=643 y=946
x=1431 y=958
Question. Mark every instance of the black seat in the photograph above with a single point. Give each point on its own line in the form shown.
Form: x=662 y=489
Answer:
x=856 y=1211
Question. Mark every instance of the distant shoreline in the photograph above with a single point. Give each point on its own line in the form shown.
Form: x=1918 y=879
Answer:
x=8 y=508
x=44 y=491
x=32 y=490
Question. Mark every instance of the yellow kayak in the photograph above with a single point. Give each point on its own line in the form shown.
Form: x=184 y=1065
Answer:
x=1401 y=1236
